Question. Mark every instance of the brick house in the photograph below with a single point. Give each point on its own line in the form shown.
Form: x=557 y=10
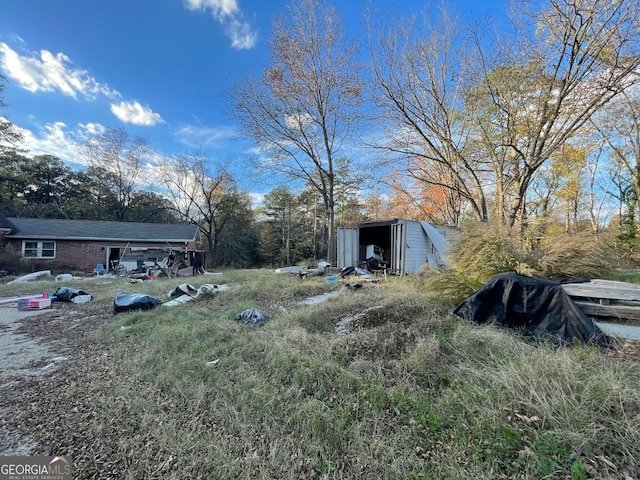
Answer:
x=83 y=244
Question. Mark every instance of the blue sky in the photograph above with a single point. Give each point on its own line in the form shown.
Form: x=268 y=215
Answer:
x=159 y=68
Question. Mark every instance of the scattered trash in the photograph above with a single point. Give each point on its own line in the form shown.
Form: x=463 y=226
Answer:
x=142 y=278
x=288 y=270
x=185 y=293
x=63 y=277
x=323 y=265
x=185 y=272
x=124 y=328
x=354 y=271
x=182 y=299
x=622 y=331
x=210 y=288
x=66 y=294
x=32 y=276
x=311 y=272
x=213 y=363
x=82 y=298
x=355 y=286
x=332 y=280
x=319 y=298
x=125 y=302
x=252 y=316
x=17 y=299
x=184 y=289
x=40 y=303
x=52 y=363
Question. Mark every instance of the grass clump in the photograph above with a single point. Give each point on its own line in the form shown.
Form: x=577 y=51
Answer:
x=486 y=249
x=578 y=255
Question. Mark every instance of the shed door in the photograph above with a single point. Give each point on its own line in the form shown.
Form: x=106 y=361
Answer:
x=348 y=248
x=398 y=247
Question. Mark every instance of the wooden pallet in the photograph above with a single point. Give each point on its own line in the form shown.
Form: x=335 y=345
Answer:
x=607 y=300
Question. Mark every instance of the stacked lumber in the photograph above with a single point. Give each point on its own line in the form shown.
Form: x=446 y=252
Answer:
x=607 y=300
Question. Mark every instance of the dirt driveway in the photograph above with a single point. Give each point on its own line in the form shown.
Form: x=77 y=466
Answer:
x=33 y=345
x=23 y=354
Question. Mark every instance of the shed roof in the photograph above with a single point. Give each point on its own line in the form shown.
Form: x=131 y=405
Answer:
x=94 y=230
x=379 y=223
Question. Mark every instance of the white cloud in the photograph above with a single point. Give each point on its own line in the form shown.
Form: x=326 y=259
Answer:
x=204 y=136
x=227 y=13
x=257 y=199
x=241 y=34
x=47 y=72
x=51 y=73
x=92 y=129
x=219 y=8
x=53 y=139
x=133 y=112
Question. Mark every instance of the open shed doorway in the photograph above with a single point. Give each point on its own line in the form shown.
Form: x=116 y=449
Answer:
x=376 y=244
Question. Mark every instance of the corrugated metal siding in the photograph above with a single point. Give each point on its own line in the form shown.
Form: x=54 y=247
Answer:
x=417 y=247
x=348 y=247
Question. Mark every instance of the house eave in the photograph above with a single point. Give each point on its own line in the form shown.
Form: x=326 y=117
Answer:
x=100 y=239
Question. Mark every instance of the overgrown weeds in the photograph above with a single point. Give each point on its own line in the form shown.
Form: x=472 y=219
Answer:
x=487 y=249
x=407 y=392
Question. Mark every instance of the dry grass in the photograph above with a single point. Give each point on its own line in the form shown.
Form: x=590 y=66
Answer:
x=486 y=249
x=409 y=392
x=578 y=255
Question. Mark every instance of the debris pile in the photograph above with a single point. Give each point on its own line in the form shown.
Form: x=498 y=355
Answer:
x=185 y=293
x=252 y=316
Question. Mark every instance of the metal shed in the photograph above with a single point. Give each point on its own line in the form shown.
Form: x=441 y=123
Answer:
x=401 y=246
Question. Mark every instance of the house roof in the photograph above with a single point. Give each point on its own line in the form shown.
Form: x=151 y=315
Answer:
x=56 y=229
x=5 y=223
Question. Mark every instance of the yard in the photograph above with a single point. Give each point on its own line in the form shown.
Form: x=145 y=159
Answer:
x=400 y=390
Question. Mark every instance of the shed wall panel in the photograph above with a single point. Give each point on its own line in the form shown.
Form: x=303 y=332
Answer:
x=348 y=248
x=417 y=247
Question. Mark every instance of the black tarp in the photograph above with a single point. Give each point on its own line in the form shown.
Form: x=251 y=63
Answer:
x=537 y=306
x=65 y=294
x=126 y=302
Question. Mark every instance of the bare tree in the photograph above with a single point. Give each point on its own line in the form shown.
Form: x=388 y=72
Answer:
x=422 y=70
x=117 y=161
x=567 y=61
x=494 y=116
x=304 y=106
x=619 y=129
x=200 y=198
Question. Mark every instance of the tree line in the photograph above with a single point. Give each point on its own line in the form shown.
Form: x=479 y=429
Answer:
x=287 y=228
x=528 y=126
x=440 y=117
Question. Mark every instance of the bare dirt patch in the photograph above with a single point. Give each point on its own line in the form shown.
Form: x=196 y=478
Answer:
x=20 y=352
x=35 y=346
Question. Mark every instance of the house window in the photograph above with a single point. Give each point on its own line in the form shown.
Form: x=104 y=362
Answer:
x=38 y=249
